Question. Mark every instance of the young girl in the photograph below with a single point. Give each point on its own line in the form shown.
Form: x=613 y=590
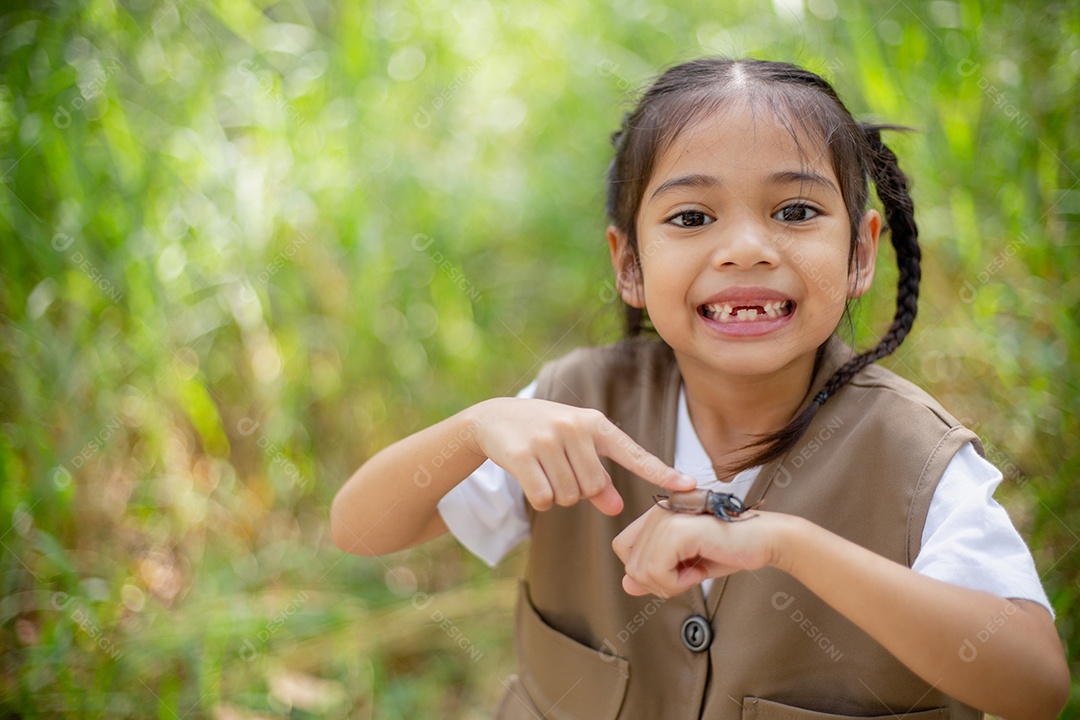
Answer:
x=877 y=578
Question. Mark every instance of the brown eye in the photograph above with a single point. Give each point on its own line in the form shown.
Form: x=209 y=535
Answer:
x=795 y=213
x=690 y=218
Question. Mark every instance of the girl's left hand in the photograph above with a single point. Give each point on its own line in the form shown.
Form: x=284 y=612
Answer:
x=667 y=553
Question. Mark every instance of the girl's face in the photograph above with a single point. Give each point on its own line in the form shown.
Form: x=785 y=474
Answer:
x=743 y=241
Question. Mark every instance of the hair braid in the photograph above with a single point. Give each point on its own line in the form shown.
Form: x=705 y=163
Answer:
x=892 y=188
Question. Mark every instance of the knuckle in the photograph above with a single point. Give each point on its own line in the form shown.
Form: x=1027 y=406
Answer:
x=593 y=486
x=588 y=490
x=565 y=489
x=601 y=422
x=518 y=456
x=564 y=424
x=541 y=499
x=567 y=499
x=546 y=441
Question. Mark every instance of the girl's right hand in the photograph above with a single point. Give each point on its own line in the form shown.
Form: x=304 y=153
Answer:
x=553 y=450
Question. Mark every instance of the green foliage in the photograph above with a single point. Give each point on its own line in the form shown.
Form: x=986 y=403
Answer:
x=246 y=245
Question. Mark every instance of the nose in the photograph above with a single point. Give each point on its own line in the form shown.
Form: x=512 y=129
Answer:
x=745 y=243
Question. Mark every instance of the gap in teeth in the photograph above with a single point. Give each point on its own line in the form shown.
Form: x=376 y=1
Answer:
x=731 y=312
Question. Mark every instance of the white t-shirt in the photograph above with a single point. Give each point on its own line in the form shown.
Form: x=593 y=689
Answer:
x=968 y=539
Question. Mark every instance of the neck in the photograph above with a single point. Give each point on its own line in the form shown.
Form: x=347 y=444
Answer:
x=730 y=412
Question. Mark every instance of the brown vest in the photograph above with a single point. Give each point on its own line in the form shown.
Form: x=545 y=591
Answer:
x=866 y=469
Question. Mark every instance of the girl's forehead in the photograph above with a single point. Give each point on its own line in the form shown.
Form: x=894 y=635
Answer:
x=743 y=141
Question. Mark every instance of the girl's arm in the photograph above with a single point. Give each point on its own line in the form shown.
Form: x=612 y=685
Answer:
x=553 y=450
x=933 y=627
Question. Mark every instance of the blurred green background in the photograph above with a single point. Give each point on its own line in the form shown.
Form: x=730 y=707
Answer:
x=245 y=245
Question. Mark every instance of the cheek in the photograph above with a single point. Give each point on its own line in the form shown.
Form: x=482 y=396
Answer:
x=658 y=290
x=821 y=260
x=653 y=247
x=660 y=266
x=825 y=268
x=667 y=279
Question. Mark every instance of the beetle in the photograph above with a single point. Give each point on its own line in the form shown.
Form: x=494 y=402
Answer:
x=724 y=506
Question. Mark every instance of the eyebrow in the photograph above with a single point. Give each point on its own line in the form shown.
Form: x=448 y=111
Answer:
x=686 y=181
x=785 y=177
x=789 y=177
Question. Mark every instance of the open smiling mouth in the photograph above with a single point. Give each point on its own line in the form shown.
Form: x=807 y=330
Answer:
x=740 y=312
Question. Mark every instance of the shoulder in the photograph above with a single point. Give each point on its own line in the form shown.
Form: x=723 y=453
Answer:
x=883 y=397
x=899 y=393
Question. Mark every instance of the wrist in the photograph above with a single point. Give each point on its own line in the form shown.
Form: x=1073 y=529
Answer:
x=470 y=423
x=791 y=535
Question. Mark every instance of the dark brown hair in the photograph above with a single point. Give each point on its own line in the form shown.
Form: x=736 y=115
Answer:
x=809 y=107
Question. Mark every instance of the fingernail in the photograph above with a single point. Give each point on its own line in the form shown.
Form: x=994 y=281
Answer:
x=687 y=480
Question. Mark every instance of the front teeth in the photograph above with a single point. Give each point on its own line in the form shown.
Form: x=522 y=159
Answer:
x=727 y=312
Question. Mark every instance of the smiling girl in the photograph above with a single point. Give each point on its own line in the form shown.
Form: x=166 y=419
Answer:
x=879 y=579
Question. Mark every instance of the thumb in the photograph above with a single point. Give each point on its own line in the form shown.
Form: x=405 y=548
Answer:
x=620 y=447
x=608 y=501
x=633 y=587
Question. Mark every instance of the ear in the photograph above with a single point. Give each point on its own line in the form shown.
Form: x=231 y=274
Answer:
x=627 y=273
x=865 y=254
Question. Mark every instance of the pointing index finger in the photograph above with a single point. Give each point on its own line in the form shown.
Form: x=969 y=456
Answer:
x=621 y=448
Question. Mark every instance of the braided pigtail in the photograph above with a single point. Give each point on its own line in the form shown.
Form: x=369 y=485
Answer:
x=892 y=189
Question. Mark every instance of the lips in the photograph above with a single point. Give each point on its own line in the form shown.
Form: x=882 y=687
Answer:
x=747 y=311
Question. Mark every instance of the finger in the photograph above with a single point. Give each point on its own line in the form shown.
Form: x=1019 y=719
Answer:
x=608 y=501
x=705 y=568
x=665 y=589
x=660 y=554
x=560 y=476
x=535 y=484
x=592 y=478
x=666 y=585
x=621 y=448
x=623 y=544
x=633 y=587
x=689 y=576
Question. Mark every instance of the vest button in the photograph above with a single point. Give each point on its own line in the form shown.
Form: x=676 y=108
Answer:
x=696 y=634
